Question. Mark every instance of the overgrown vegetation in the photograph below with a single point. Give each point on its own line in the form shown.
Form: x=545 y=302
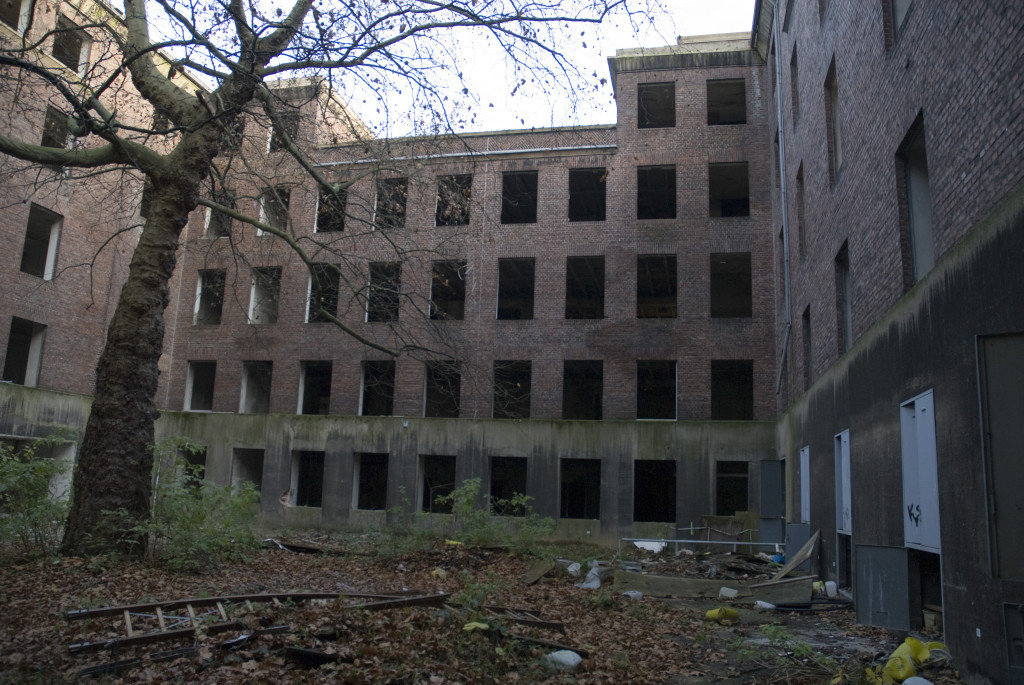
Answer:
x=792 y=660
x=33 y=506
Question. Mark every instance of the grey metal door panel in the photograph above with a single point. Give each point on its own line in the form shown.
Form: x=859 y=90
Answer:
x=882 y=587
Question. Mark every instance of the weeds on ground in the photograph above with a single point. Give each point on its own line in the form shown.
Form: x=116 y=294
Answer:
x=32 y=512
x=791 y=660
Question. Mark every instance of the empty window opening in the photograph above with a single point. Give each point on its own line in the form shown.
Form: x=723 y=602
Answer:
x=580 y=488
x=515 y=288
x=438 y=481
x=731 y=487
x=70 y=44
x=835 y=140
x=453 y=198
x=324 y=284
x=24 y=352
x=443 y=390
x=371 y=481
x=728 y=189
x=315 y=387
x=199 y=386
x=519 y=197
x=246 y=467
x=256 y=376
x=654 y=490
x=656 y=192
x=778 y=166
x=807 y=365
x=265 y=295
x=727 y=102
x=330 y=211
x=895 y=13
x=656 y=105
x=285 y=128
x=209 y=297
x=655 y=389
x=448 y=290
x=195 y=465
x=508 y=479
x=582 y=389
x=731 y=290
x=917 y=243
x=656 y=286
x=794 y=85
x=378 y=397
x=274 y=207
x=512 y=389
x=55 y=126
x=732 y=389
x=307 y=478
x=587 y=194
x=800 y=211
x=844 y=300
x=16 y=13
x=584 y=287
x=218 y=224
x=39 y=255
x=385 y=285
x=390 y=205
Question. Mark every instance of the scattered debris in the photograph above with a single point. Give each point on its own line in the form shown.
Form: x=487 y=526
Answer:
x=722 y=614
x=808 y=551
x=650 y=545
x=671 y=586
x=314 y=658
x=303 y=547
x=538 y=570
x=727 y=593
x=564 y=658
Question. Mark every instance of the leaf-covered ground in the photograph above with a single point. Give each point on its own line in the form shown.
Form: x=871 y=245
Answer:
x=625 y=640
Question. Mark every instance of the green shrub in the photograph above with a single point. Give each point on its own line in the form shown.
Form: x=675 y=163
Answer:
x=478 y=525
x=32 y=515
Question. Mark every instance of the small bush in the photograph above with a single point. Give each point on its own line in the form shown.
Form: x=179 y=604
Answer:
x=477 y=524
x=32 y=516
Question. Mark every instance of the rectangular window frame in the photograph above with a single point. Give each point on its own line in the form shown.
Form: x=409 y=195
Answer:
x=588 y=194
x=42 y=239
x=389 y=206
x=265 y=295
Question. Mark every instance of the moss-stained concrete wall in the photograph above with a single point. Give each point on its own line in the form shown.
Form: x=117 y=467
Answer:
x=29 y=413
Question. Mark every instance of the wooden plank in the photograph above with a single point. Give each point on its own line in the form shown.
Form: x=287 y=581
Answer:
x=786 y=591
x=665 y=586
x=128 y=623
x=538 y=570
x=805 y=553
x=427 y=600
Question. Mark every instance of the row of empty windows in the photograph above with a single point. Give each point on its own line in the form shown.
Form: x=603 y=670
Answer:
x=726 y=103
x=732 y=388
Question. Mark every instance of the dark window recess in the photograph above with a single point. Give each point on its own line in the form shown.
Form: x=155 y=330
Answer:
x=372 y=481
x=24 y=347
x=195 y=465
x=316 y=387
x=844 y=303
x=519 y=197
x=728 y=189
x=211 y=297
x=794 y=84
x=11 y=13
x=287 y=126
x=731 y=290
x=807 y=366
x=453 y=197
x=323 y=291
x=385 y=285
x=508 y=479
x=895 y=13
x=515 y=288
x=392 y=194
x=68 y=41
x=218 y=223
x=913 y=190
x=656 y=192
x=587 y=194
x=654 y=490
x=201 y=379
x=438 y=481
x=38 y=256
x=443 y=390
x=512 y=389
x=800 y=240
x=580 y=488
x=656 y=389
x=582 y=389
x=55 y=126
x=247 y=467
x=730 y=487
x=832 y=123
x=584 y=288
x=257 y=377
x=378 y=388
x=656 y=286
x=727 y=102
x=266 y=293
x=274 y=207
x=656 y=105
x=308 y=478
x=732 y=389
x=448 y=290
x=330 y=211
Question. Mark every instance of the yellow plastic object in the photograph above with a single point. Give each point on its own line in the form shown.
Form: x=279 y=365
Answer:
x=903 y=662
x=722 y=614
x=475 y=625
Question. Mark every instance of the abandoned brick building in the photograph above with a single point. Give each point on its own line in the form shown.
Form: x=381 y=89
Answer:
x=784 y=282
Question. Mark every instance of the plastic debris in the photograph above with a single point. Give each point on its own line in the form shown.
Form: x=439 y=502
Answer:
x=632 y=594
x=573 y=569
x=592 y=581
x=564 y=658
x=439 y=573
x=650 y=545
x=728 y=593
x=903 y=663
x=917 y=680
x=722 y=614
x=761 y=605
x=475 y=625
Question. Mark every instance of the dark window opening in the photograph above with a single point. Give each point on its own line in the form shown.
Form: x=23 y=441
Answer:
x=443 y=390
x=656 y=192
x=835 y=140
x=391 y=197
x=378 y=388
x=55 y=126
x=307 y=478
x=731 y=289
x=777 y=168
x=580 y=488
x=438 y=481
x=16 y=13
x=256 y=378
x=285 y=128
x=39 y=254
x=210 y=298
x=315 y=387
x=24 y=352
x=330 y=211
x=807 y=366
x=274 y=207
x=266 y=293
x=844 y=302
x=519 y=197
x=448 y=290
x=324 y=284
x=383 y=297
x=794 y=85
x=894 y=14
x=655 y=389
x=201 y=377
x=453 y=197
x=727 y=102
x=246 y=467
x=800 y=211
x=917 y=243
x=654 y=490
x=195 y=465
x=515 y=288
x=656 y=105
x=728 y=189
x=584 y=288
x=371 y=481
x=582 y=389
x=656 y=286
x=732 y=389
x=218 y=224
x=730 y=487
x=512 y=389
x=587 y=194
x=69 y=43
x=508 y=479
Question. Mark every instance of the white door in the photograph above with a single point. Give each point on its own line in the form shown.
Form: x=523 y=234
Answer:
x=920 y=473
x=843 y=512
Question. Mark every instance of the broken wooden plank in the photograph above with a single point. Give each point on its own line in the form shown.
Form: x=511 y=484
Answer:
x=806 y=552
x=786 y=591
x=395 y=603
x=675 y=586
x=538 y=570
